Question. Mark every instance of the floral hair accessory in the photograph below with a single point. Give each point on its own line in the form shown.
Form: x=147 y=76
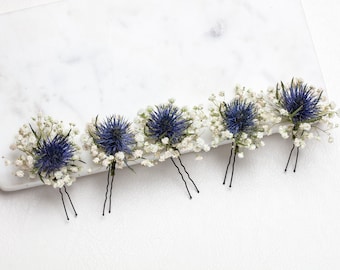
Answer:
x=241 y=121
x=166 y=131
x=302 y=112
x=111 y=144
x=48 y=152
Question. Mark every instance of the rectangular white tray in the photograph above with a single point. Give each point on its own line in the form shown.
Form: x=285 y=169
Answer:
x=75 y=60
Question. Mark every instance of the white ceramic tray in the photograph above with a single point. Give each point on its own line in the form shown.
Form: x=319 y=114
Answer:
x=76 y=59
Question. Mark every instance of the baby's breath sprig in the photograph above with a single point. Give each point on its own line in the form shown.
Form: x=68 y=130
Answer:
x=111 y=144
x=242 y=121
x=166 y=131
x=301 y=112
x=49 y=152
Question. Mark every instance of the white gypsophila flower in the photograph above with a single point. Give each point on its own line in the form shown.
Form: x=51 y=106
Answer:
x=120 y=155
x=138 y=153
x=222 y=113
x=284 y=103
x=240 y=154
x=180 y=131
x=301 y=111
x=111 y=142
x=241 y=121
x=37 y=140
x=18 y=162
x=165 y=140
x=20 y=173
x=147 y=163
x=106 y=162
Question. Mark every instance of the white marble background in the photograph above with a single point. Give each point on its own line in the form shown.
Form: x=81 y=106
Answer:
x=269 y=220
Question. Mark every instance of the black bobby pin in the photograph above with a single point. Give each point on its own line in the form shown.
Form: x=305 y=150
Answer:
x=232 y=171
x=192 y=181
x=113 y=171
x=233 y=151
x=226 y=171
x=68 y=195
x=290 y=154
x=62 y=199
x=107 y=189
x=186 y=186
x=296 y=158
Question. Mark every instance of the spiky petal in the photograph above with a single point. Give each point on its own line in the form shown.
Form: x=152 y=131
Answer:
x=167 y=121
x=52 y=155
x=114 y=135
x=301 y=103
x=238 y=116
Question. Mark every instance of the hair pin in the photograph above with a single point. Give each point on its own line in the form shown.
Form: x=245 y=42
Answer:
x=166 y=131
x=302 y=112
x=240 y=121
x=111 y=144
x=49 y=152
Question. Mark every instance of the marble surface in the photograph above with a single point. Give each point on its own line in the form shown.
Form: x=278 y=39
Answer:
x=7 y=6
x=73 y=60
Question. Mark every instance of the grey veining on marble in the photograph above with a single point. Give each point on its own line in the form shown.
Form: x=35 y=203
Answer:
x=76 y=59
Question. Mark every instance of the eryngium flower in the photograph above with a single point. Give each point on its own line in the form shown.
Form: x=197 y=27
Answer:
x=114 y=135
x=301 y=103
x=52 y=155
x=238 y=116
x=167 y=121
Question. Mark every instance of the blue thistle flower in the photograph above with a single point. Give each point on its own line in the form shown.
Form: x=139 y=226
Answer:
x=300 y=102
x=52 y=155
x=167 y=121
x=238 y=116
x=114 y=135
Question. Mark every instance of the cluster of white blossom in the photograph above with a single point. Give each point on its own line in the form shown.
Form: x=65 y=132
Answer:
x=312 y=128
x=154 y=151
x=251 y=139
x=269 y=112
x=30 y=138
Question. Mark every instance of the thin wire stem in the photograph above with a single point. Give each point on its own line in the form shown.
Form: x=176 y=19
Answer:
x=186 y=186
x=297 y=156
x=113 y=170
x=62 y=199
x=68 y=195
x=232 y=170
x=226 y=171
x=192 y=181
x=290 y=154
x=107 y=189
